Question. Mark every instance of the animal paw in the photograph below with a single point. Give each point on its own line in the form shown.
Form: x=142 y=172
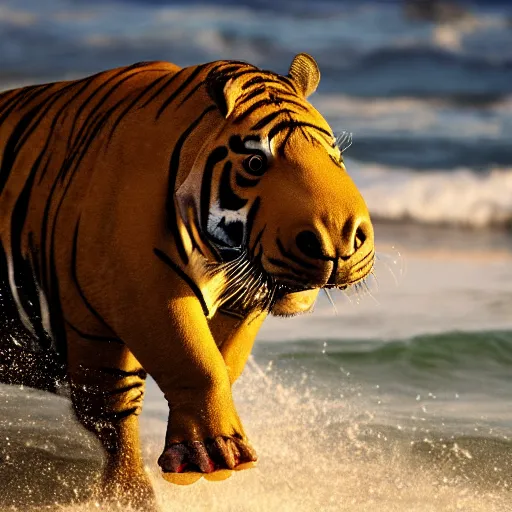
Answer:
x=207 y=456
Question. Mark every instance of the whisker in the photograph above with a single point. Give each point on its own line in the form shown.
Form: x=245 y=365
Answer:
x=331 y=301
x=368 y=292
x=382 y=258
x=347 y=294
x=354 y=294
x=375 y=279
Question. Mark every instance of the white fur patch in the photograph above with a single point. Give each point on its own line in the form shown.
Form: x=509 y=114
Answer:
x=25 y=319
x=215 y=217
x=263 y=146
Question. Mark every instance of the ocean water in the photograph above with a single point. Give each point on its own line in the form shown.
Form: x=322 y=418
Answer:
x=393 y=398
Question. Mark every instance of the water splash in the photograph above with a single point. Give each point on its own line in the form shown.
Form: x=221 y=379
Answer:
x=317 y=452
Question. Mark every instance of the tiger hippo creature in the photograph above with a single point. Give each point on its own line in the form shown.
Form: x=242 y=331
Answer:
x=151 y=217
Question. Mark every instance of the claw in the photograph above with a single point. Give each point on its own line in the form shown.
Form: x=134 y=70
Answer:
x=199 y=456
x=233 y=449
x=173 y=458
x=247 y=453
x=221 y=453
x=206 y=457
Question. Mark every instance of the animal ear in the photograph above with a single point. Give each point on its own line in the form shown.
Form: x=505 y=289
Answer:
x=305 y=73
x=223 y=92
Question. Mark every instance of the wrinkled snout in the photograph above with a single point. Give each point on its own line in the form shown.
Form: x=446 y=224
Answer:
x=313 y=244
x=337 y=256
x=320 y=233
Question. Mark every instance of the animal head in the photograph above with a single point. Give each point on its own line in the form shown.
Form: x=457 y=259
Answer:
x=276 y=204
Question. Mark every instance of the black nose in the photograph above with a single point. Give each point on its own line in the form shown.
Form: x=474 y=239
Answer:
x=309 y=245
x=360 y=237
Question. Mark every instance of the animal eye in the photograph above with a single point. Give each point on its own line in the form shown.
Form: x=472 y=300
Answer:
x=255 y=165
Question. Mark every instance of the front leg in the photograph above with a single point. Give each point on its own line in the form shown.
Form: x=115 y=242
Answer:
x=171 y=338
x=235 y=337
x=107 y=389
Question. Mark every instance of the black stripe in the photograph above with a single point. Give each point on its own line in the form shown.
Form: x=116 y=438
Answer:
x=270 y=117
x=282 y=146
x=170 y=80
x=118 y=416
x=258 y=238
x=121 y=374
x=228 y=200
x=238 y=146
x=306 y=135
x=93 y=337
x=173 y=173
x=361 y=263
x=142 y=64
x=334 y=271
x=44 y=230
x=20 y=264
x=124 y=389
x=224 y=68
x=292 y=97
x=336 y=162
x=284 y=125
x=91 y=128
x=244 y=182
x=103 y=84
x=245 y=98
x=26 y=283
x=232 y=66
x=54 y=286
x=57 y=317
x=267 y=76
x=289 y=82
x=18 y=137
x=179 y=90
x=275 y=100
x=55 y=124
x=72 y=161
x=250 y=218
x=216 y=156
x=247 y=71
x=34 y=262
x=20 y=102
x=253 y=108
x=191 y=93
x=267 y=119
x=268 y=80
x=195 y=289
x=32 y=280
x=74 y=278
x=137 y=98
x=83 y=136
x=66 y=165
x=258 y=79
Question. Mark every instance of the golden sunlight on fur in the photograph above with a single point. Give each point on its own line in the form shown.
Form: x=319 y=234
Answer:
x=151 y=217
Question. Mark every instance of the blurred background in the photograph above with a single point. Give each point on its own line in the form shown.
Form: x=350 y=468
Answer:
x=424 y=85
x=397 y=397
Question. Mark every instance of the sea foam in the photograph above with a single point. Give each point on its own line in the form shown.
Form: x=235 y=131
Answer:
x=457 y=197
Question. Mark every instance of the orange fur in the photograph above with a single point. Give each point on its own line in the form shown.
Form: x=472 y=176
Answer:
x=162 y=213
